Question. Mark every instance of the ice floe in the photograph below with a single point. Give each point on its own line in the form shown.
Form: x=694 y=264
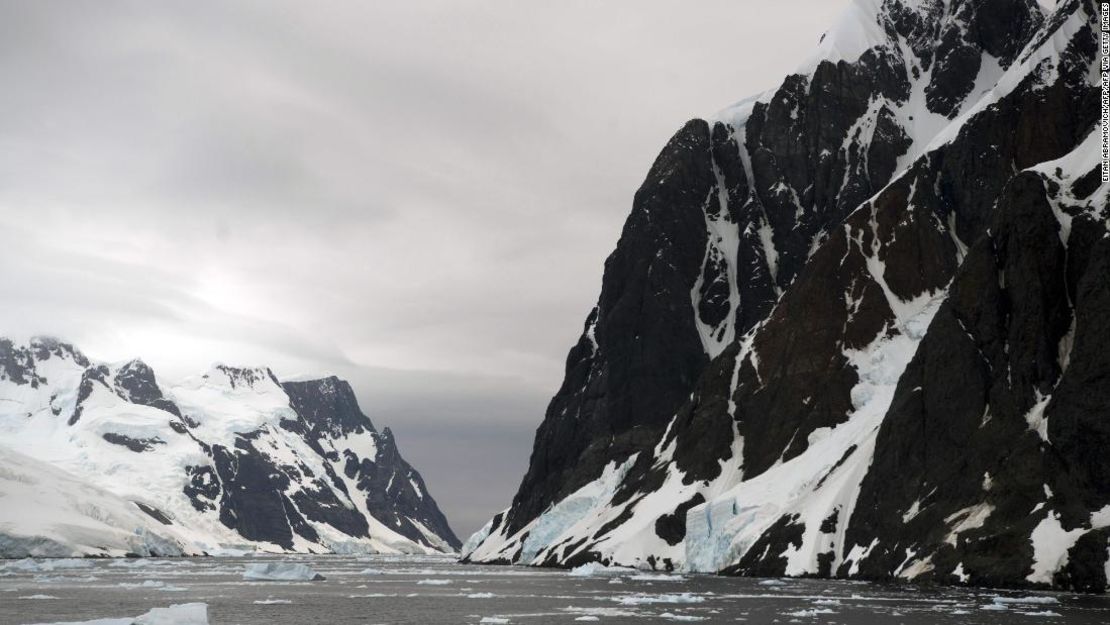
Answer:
x=280 y=572
x=178 y=614
x=640 y=599
x=592 y=569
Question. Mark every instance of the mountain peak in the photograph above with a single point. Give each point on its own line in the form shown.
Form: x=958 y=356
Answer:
x=327 y=404
x=931 y=31
x=240 y=377
x=46 y=347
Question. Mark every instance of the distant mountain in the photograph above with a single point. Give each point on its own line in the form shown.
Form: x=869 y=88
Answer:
x=232 y=459
x=854 y=326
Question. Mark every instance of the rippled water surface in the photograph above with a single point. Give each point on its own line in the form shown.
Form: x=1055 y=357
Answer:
x=379 y=589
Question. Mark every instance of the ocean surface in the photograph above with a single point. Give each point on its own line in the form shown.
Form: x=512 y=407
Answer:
x=425 y=590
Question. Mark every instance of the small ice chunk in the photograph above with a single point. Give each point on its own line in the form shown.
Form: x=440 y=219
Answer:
x=826 y=602
x=591 y=569
x=657 y=577
x=272 y=601
x=663 y=598
x=178 y=614
x=280 y=572
x=433 y=582
x=587 y=618
x=1034 y=599
x=29 y=565
x=809 y=612
x=150 y=583
x=493 y=619
x=481 y=595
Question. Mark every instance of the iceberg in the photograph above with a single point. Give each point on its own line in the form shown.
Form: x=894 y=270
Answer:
x=592 y=569
x=178 y=614
x=280 y=572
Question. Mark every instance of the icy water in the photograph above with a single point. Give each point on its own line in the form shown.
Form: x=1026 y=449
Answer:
x=425 y=590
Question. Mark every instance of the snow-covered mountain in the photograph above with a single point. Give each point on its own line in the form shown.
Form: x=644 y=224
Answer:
x=854 y=326
x=230 y=459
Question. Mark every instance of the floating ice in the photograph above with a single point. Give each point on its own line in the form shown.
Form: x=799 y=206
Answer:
x=809 y=612
x=178 y=614
x=596 y=612
x=664 y=598
x=1036 y=599
x=657 y=577
x=590 y=569
x=29 y=565
x=280 y=572
x=433 y=582
x=146 y=584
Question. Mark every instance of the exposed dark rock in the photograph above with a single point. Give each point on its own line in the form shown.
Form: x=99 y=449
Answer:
x=155 y=513
x=962 y=409
x=91 y=377
x=242 y=376
x=1086 y=567
x=765 y=558
x=135 y=382
x=17 y=364
x=137 y=445
x=45 y=348
x=203 y=488
x=672 y=527
x=328 y=406
x=393 y=491
x=640 y=353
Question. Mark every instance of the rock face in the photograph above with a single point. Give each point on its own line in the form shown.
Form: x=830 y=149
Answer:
x=851 y=327
x=230 y=459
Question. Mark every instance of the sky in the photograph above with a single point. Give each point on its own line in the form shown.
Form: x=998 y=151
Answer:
x=417 y=196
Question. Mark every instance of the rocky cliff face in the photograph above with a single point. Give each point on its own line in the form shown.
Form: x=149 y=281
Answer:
x=842 y=332
x=230 y=459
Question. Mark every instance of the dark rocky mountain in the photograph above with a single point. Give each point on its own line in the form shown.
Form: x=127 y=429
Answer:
x=851 y=327
x=395 y=493
x=231 y=459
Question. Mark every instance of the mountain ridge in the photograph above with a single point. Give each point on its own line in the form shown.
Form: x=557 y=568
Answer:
x=226 y=459
x=840 y=211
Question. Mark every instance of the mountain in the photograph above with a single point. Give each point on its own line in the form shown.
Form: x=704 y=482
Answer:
x=232 y=459
x=852 y=326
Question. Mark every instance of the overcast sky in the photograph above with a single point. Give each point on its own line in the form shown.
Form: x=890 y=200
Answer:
x=417 y=196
